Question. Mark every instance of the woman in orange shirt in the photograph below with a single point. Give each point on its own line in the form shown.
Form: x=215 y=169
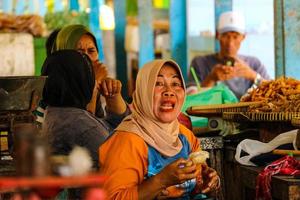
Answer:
x=147 y=156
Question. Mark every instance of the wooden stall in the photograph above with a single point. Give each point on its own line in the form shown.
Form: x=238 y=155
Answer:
x=238 y=181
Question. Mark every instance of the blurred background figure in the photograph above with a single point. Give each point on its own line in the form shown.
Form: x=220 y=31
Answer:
x=238 y=72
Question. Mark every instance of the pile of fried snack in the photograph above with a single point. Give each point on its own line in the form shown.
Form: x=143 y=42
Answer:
x=280 y=95
x=32 y=24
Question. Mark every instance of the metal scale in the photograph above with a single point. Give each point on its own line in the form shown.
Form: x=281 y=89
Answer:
x=19 y=96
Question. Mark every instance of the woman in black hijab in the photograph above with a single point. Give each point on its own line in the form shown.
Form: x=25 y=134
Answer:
x=67 y=92
x=70 y=80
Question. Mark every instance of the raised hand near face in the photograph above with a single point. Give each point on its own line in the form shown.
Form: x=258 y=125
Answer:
x=100 y=71
x=109 y=87
x=111 y=90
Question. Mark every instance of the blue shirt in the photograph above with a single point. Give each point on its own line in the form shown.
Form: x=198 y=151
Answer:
x=157 y=162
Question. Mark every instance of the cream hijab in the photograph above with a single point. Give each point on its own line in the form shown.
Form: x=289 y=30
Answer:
x=161 y=136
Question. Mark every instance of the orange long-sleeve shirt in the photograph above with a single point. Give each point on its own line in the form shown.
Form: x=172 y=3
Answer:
x=124 y=160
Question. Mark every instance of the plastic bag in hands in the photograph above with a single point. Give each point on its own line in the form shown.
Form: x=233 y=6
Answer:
x=254 y=147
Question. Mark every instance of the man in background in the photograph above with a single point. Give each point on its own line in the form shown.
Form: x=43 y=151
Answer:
x=238 y=72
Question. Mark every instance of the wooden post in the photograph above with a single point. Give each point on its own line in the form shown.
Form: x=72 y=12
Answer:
x=178 y=32
x=74 y=5
x=146 y=38
x=121 y=61
x=95 y=26
x=287 y=40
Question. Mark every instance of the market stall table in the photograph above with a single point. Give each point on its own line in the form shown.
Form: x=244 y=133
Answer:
x=21 y=184
x=241 y=180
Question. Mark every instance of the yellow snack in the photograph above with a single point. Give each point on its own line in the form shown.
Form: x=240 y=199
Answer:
x=199 y=157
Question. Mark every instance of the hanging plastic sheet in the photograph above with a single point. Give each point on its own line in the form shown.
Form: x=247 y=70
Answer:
x=219 y=94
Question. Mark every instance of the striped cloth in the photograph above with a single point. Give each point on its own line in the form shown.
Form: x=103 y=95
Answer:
x=40 y=112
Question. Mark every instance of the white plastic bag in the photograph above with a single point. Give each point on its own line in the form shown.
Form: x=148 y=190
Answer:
x=254 y=147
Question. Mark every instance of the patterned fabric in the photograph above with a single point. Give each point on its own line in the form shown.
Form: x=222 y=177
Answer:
x=211 y=142
x=284 y=166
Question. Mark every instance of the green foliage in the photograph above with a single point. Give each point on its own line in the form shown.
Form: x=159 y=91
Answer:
x=63 y=18
x=131 y=8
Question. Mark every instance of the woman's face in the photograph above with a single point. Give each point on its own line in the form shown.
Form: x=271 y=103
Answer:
x=168 y=94
x=86 y=45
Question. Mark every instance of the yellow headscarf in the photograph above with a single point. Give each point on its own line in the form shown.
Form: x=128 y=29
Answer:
x=161 y=136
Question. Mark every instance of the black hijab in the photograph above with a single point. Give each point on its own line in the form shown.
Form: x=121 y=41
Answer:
x=70 y=80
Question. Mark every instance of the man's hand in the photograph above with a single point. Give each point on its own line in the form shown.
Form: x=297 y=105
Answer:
x=219 y=73
x=243 y=70
x=223 y=72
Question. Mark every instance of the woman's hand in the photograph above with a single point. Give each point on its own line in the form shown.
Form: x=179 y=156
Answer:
x=170 y=192
x=100 y=71
x=109 y=87
x=163 y=184
x=111 y=90
x=178 y=172
x=211 y=180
